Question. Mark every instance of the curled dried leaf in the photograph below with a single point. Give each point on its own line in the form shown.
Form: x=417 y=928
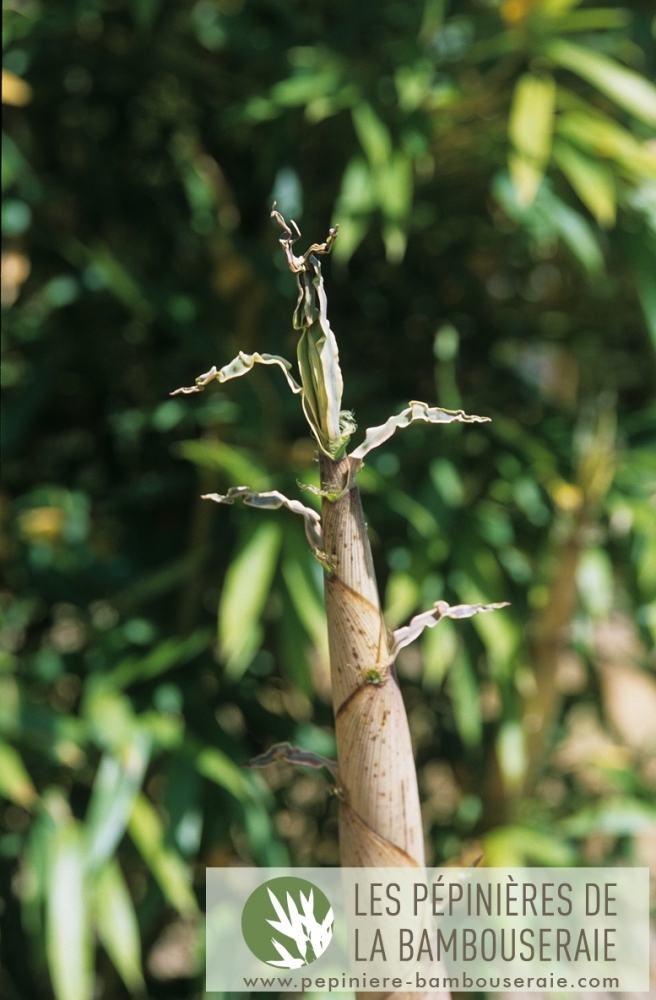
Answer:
x=241 y=365
x=429 y=619
x=273 y=500
x=292 y=755
x=375 y=436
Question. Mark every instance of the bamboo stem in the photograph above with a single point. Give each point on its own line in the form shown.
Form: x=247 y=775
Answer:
x=380 y=819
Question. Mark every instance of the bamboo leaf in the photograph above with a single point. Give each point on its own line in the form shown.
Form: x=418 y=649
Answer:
x=628 y=89
x=429 y=619
x=15 y=783
x=237 y=463
x=375 y=436
x=241 y=365
x=466 y=702
x=115 y=788
x=530 y=128
x=605 y=138
x=373 y=134
x=439 y=648
x=274 y=500
x=69 y=944
x=167 y=654
x=245 y=591
x=117 y=926
x=169 y=870
x=217 y=766
x=593 y=182
x=307 y=605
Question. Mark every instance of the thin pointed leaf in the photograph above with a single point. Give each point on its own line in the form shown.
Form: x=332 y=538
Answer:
x=241 y=365
x=245 y=591
x=274 y=500
x=375 y=436
x=530 y=128
x=592 y=181
x=168 y=868
x=69 y=943
x=212 y=763
x=429 y=619
x=628 y=89
x=117 y=925
x=15 y=783
x=115 y=788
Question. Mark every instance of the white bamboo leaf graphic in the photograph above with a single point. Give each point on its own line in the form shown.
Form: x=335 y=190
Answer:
x=291 y=925
x=273 y=500
x=429 y=619
x=288 y=961
x=415 y=410
x=241 y=365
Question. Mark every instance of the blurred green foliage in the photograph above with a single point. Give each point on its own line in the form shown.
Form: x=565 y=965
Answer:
x=492 y=169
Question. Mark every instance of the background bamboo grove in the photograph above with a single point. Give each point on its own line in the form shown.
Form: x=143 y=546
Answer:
x=492 y=168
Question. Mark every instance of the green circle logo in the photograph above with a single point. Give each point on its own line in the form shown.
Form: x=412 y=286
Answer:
x=287 y=922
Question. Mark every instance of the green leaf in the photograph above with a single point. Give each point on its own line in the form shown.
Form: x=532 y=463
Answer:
x=621 y=817
x=401 y=598
x=631 y=91
x=244 y=594
x=237 y=463
x=115 y=788
x=530 y=128
x=603 y=137
x=393 y=185
x=466 y=703
x=69 y=942
x=594 y=578
x=168 y=868
x=217 y=766
x=373 y=134
x=439 y=648
x=167 y=654
x=593 y=182
x=511 y=754
x=15 y=783
x=117 y=925
x=519 y=846
x=307 y=605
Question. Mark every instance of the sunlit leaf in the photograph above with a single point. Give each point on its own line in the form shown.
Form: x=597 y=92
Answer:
x=519 y=846
x=625 y=87
x=115 y=788
x=592 y=181
x=166 y=655
x=168 y=868
x=438 y=651
x=239 y=366
x=465 y=699
x=307 y=605
x=15 y=783
x=595 y=581
x=373 y=134
x=237 y=463
x=511 y=754
x=245 y=591
x=401 y=598
x=617 y=817
x=117 y=926
x=217 y=766
x=69 y=942
x=530 y=128
x=605 y=138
